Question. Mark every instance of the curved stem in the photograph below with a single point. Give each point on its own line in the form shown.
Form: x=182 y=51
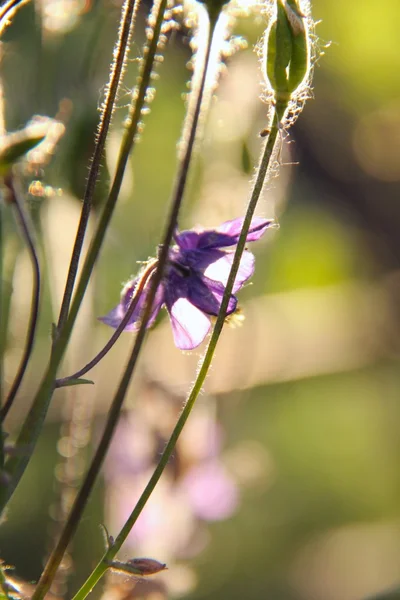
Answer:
x=8 y=10
x=32 y=425
x=134 y=301
x=102 y=566
x=120 y=52
x=33 y=317
x=115 y=409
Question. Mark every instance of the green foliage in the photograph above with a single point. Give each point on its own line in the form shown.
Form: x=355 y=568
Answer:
x=15 y=146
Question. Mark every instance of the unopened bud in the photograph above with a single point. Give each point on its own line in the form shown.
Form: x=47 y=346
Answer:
x=147 y=566
x=138 y=566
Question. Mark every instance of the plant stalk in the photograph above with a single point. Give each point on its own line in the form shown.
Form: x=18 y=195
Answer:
x=129 y=11
x=114 y=412
x=109 y=555
x=33 y=423
x=22 y=219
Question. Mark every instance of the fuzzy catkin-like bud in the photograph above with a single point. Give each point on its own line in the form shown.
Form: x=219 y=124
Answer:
x=286 y=55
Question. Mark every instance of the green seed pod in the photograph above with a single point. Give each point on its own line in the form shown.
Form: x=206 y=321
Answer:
x=300 y=60
x=286 y=54
x=278 y=52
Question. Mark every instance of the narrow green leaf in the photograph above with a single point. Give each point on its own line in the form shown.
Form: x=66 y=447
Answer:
x=74 y=382
x=15 y=148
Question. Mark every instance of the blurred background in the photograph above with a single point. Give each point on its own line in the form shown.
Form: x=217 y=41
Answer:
x=286 y=483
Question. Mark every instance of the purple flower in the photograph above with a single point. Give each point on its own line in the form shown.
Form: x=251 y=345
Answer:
x=194 y=281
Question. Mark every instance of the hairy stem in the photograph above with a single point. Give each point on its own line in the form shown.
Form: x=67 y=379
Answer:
x=34 y=312
x=91 y=476
x=33 y=423
x=113 y=415
x=120 y=52
x=134 y=301
x=169 y=449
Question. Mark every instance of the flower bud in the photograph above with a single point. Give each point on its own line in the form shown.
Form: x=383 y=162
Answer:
x=147 y=566
x=138 y=566
x=286 y=51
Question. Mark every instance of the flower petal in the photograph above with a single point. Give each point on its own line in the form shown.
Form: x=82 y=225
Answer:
x=228 y=233
x=206 y=295
x=219 y=270
x=187 y=240
x=115 y=316
x=211 y=490
x=189 y=324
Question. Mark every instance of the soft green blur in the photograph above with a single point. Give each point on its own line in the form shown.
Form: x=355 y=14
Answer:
x=307 y=389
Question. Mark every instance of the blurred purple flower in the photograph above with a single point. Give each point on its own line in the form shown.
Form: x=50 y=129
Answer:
x=194 y=281
x=212 y=493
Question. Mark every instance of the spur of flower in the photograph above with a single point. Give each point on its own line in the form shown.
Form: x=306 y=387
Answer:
x=194 y=281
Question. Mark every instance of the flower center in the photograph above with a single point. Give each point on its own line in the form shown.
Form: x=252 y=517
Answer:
x=183 y=270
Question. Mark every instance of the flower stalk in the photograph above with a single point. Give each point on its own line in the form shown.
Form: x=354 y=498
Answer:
x=22 y=219
x=31 y=428
x=113 y=549
x=121 y=50
x=114 y=412
x=143 y=281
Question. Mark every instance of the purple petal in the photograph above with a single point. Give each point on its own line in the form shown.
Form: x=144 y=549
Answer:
x=219 y=270
x=115 y=316
x=212 y=492
x=189 y=324
x=187 y=240
x=228 y=233
x=206 y=295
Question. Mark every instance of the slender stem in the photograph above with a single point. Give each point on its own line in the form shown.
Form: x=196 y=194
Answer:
x=102 y=566
x=134 y=302
x=34 y=312
x=115 y=409
x=2 y=296
x=120 y=52
x=3 y=329
x=32 y=425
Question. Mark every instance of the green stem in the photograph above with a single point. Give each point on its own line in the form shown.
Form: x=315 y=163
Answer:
x=121 y=327
x=121 y=51
x=2 y=296
x=33 y=423
x=102 y=566
x=180 y=183
x=115 y=409
x=34 y=312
